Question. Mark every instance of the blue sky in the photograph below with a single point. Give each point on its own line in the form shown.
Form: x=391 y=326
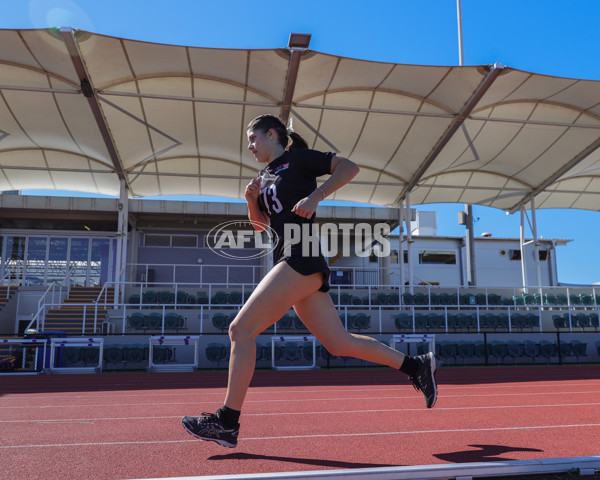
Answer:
x=553 y=37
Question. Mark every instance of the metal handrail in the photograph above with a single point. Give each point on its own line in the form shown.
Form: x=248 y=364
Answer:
x=6 y=275
x=42 y=306
x=103 y=291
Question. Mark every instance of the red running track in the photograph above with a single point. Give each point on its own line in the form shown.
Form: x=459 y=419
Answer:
x=116 y=426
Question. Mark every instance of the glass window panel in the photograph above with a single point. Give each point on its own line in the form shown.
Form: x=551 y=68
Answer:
x=36 y=248
x=15 y=248
x=79 y=249
x=99 y=248
x=79 y=257
x=58 y=248
x=14 y=255
x=57 y=258
x=99 y=263
x=36 y=260
x=437 y=257
x=184 y=241
x=153 y=240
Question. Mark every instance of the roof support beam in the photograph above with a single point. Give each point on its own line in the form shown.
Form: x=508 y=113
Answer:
x=39 y=89
x=460 y=118
x=88 y=91
x=297 y=44
x=315 y=107
x=556 y=175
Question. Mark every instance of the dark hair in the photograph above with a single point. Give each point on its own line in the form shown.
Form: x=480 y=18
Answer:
x=265 y=122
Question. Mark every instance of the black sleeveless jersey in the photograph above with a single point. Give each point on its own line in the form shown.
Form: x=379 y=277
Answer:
x=283 y=183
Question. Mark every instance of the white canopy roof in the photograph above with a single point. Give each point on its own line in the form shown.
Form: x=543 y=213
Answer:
x=80 y=111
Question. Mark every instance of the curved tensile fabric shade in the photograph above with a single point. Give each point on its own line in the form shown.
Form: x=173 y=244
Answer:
x=80 y=111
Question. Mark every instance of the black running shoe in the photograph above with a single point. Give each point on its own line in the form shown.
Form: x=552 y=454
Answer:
x=424 y=379
x=209 y=427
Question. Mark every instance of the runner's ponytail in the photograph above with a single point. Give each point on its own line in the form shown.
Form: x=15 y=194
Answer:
x=297 y=141
x=266 y=122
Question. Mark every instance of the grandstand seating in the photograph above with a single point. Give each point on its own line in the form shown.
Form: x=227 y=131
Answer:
x=361 y=321
x=162 y=354
x=447 y=350
x=531 y=349
x=136 y=354
x=464 y=323
x=579 y=349
x=153 y=322
x=498 y=350
x=285 y=323
x=220 y=321
x=465 y=350
x=548 y=350
x=403 y=322
x=174 y=321
x=566 y=349
x=114 y=356
x=216 y=353
x=292 y=352
x=514 y=350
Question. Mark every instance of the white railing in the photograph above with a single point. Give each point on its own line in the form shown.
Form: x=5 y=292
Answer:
x=377 y=298
x=38 y=317
x=67 y=280
x=5 y=279
x=230 y=275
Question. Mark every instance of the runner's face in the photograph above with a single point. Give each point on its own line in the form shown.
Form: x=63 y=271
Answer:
x=260 y=145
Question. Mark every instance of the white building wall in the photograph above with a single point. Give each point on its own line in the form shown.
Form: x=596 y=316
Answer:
x=494 y=266
x=493 y=260
x=440 y=273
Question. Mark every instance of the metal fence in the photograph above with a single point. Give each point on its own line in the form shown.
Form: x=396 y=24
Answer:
x=212 y=351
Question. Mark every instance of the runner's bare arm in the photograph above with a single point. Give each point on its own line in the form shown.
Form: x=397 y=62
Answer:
x=257 y=217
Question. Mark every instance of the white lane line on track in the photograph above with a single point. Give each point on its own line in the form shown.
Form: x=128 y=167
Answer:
x=280 y=390
x=330 y=412
x=287 y=400
x=295 y=437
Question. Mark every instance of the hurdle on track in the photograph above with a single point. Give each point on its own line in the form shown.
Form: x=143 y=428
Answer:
x=414 y=338
x=28 y=364
x=83 y=348
x=166 y=360
x=297 y=338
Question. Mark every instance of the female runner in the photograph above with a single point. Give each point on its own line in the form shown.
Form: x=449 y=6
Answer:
x=285 y=192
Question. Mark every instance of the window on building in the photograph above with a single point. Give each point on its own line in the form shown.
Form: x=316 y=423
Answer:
x=394 y=256
x=437 y=257
x=154 y=240
x=177 y=241
x=189 y=241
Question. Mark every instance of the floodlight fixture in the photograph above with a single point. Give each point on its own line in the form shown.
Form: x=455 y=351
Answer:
x=299 y=40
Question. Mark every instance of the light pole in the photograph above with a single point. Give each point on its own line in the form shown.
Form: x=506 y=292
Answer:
x=470 y=239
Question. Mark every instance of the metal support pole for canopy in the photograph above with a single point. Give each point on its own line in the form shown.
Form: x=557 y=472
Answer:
x=409 y=242
x=470 y=244
x=470 y=239
x=536 y=247
x=121 y=256
x=400 y=244
x=461 y=54
x=522 y=246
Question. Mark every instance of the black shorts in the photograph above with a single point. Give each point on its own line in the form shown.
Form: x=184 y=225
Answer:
x=310 y=265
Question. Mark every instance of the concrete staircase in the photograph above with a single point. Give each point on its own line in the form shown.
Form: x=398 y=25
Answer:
x=6 y=294
x=69 y=318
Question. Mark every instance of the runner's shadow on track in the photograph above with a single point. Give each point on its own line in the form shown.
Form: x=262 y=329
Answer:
x=304 y=461
x=484 y=453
